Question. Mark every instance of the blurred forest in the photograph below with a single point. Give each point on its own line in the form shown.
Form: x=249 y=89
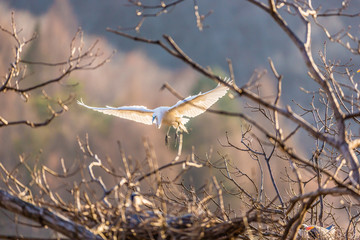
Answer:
x=134 y=76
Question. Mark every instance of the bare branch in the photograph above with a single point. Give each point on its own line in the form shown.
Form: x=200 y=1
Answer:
x=45 y=217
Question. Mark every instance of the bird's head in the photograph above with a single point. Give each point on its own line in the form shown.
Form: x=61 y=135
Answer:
x=155 y=120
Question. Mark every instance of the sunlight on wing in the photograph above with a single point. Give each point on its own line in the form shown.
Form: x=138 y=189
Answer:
x=135 y=113
x=195 y=105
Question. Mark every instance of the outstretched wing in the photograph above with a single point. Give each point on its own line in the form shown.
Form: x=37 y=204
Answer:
x=197 y=104
x=135 y=113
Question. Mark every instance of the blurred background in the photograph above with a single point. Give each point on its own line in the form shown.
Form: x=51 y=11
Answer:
x=234 y=30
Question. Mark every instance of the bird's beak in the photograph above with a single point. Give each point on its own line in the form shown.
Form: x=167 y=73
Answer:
x=309 y=228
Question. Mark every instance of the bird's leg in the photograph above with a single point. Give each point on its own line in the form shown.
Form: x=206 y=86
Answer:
x=180 y=145
x=167 y=136
x=177 y=133
x=176 y=136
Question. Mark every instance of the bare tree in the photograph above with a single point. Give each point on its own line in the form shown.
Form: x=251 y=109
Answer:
x=331 y=123
x=175 y=211
x=16 y=79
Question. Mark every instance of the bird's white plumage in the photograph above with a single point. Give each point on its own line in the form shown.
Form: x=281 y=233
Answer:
x=135 y=113
x=177 y=115
x=193 y=106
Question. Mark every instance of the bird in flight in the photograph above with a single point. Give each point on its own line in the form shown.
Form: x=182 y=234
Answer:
x=176 y=116
x=317 y=232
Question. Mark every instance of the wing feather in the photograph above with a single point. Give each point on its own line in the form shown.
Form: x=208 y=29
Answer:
x=192 y=106
x=135 y=113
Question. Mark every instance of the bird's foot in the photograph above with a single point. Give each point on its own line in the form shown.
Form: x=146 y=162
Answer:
x=167 y=137
x=176 y=137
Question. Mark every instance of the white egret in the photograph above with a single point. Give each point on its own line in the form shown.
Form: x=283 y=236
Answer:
x=177 y=115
